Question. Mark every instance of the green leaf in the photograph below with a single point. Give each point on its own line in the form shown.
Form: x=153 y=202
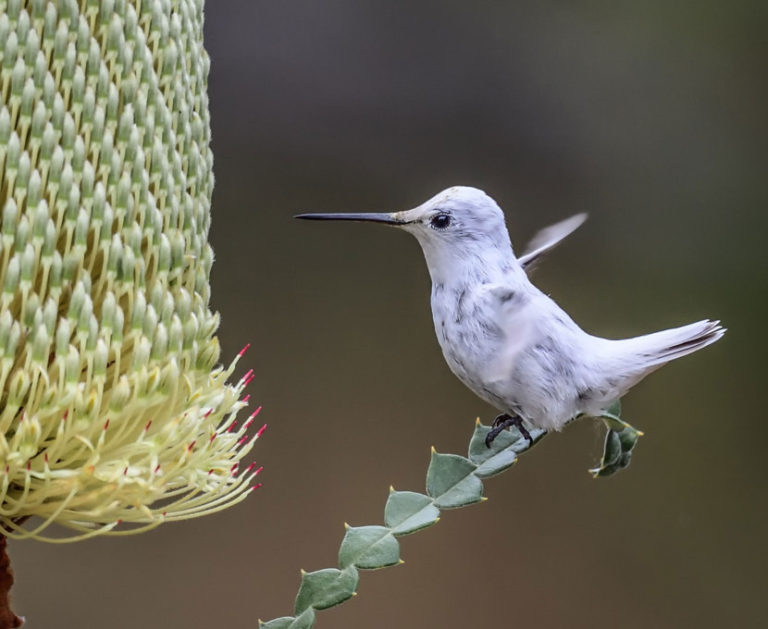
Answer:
x=369 y=547
x=614 y=422
x=629 y=437
x=407 y=512
x=496 y=464
x=451 y=481
x=277 y=623
x=478 y=451
x=506 y=439
x=612 y=448
x=305 y=620
x=325 y=588
x=619 y=443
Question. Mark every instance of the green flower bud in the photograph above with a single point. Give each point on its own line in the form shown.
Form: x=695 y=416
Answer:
x=63 y=336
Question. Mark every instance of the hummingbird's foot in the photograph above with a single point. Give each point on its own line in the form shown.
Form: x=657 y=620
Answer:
x=504 y=421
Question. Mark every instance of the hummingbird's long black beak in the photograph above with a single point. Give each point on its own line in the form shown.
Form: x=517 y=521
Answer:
x=373 y=217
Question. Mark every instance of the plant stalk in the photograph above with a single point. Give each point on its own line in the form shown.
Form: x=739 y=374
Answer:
x=8 y=620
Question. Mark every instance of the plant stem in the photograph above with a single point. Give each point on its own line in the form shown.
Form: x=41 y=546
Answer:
x=8 y=620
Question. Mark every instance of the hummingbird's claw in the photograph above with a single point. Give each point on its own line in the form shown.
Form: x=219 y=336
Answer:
x=503 y=422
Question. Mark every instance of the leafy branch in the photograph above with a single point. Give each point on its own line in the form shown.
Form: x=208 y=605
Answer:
x=452 y=481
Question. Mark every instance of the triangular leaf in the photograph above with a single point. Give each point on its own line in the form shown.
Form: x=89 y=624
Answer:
x=369 y=547
x=619 y=443
x=509 y=438
x=278 y=623
x=305 y=620
x=325 y=588
x=614 y=422
x=451 y=481
x=615 y=408
x=479 y=452
x=612 y=449
x=496 y=464
x=407 y=512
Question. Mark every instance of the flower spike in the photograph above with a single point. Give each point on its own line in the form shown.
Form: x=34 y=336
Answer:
x=115 y=414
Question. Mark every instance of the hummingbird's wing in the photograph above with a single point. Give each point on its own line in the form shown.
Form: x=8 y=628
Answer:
x=547 y=239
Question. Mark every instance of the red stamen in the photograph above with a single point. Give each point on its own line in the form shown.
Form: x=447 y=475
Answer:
x=207 y=413
x=256 y=412
x=245 y=349
x=146 y=428
x=255 y=487
x=232 y=426
x=260 y=431
x=190 y=446
x=106 y=424
x=248 y=377
x=46 y=458
x=251 y=466
x=246 y=398
x=157 y=468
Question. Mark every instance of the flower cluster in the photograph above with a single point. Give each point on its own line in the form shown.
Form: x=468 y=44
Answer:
x=112 y=408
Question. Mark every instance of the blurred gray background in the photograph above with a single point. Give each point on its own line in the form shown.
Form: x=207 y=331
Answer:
x=651 y=117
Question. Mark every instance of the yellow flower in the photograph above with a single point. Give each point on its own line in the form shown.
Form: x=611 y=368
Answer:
x=112 y=409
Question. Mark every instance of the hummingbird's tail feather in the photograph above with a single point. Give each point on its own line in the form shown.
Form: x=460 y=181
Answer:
x=661 y=347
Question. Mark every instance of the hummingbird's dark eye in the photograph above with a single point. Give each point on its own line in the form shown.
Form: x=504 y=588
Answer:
x=440 y=221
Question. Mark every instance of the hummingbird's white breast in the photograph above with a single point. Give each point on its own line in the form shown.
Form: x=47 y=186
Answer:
x=514 y=348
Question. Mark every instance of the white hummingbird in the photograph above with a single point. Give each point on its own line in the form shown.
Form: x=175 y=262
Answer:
x=506 y=340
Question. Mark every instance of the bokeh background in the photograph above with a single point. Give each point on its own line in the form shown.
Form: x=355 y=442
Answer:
x=651 y=117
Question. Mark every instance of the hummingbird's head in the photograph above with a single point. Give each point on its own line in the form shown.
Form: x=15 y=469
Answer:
x=460 y=218
x=457 y=227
